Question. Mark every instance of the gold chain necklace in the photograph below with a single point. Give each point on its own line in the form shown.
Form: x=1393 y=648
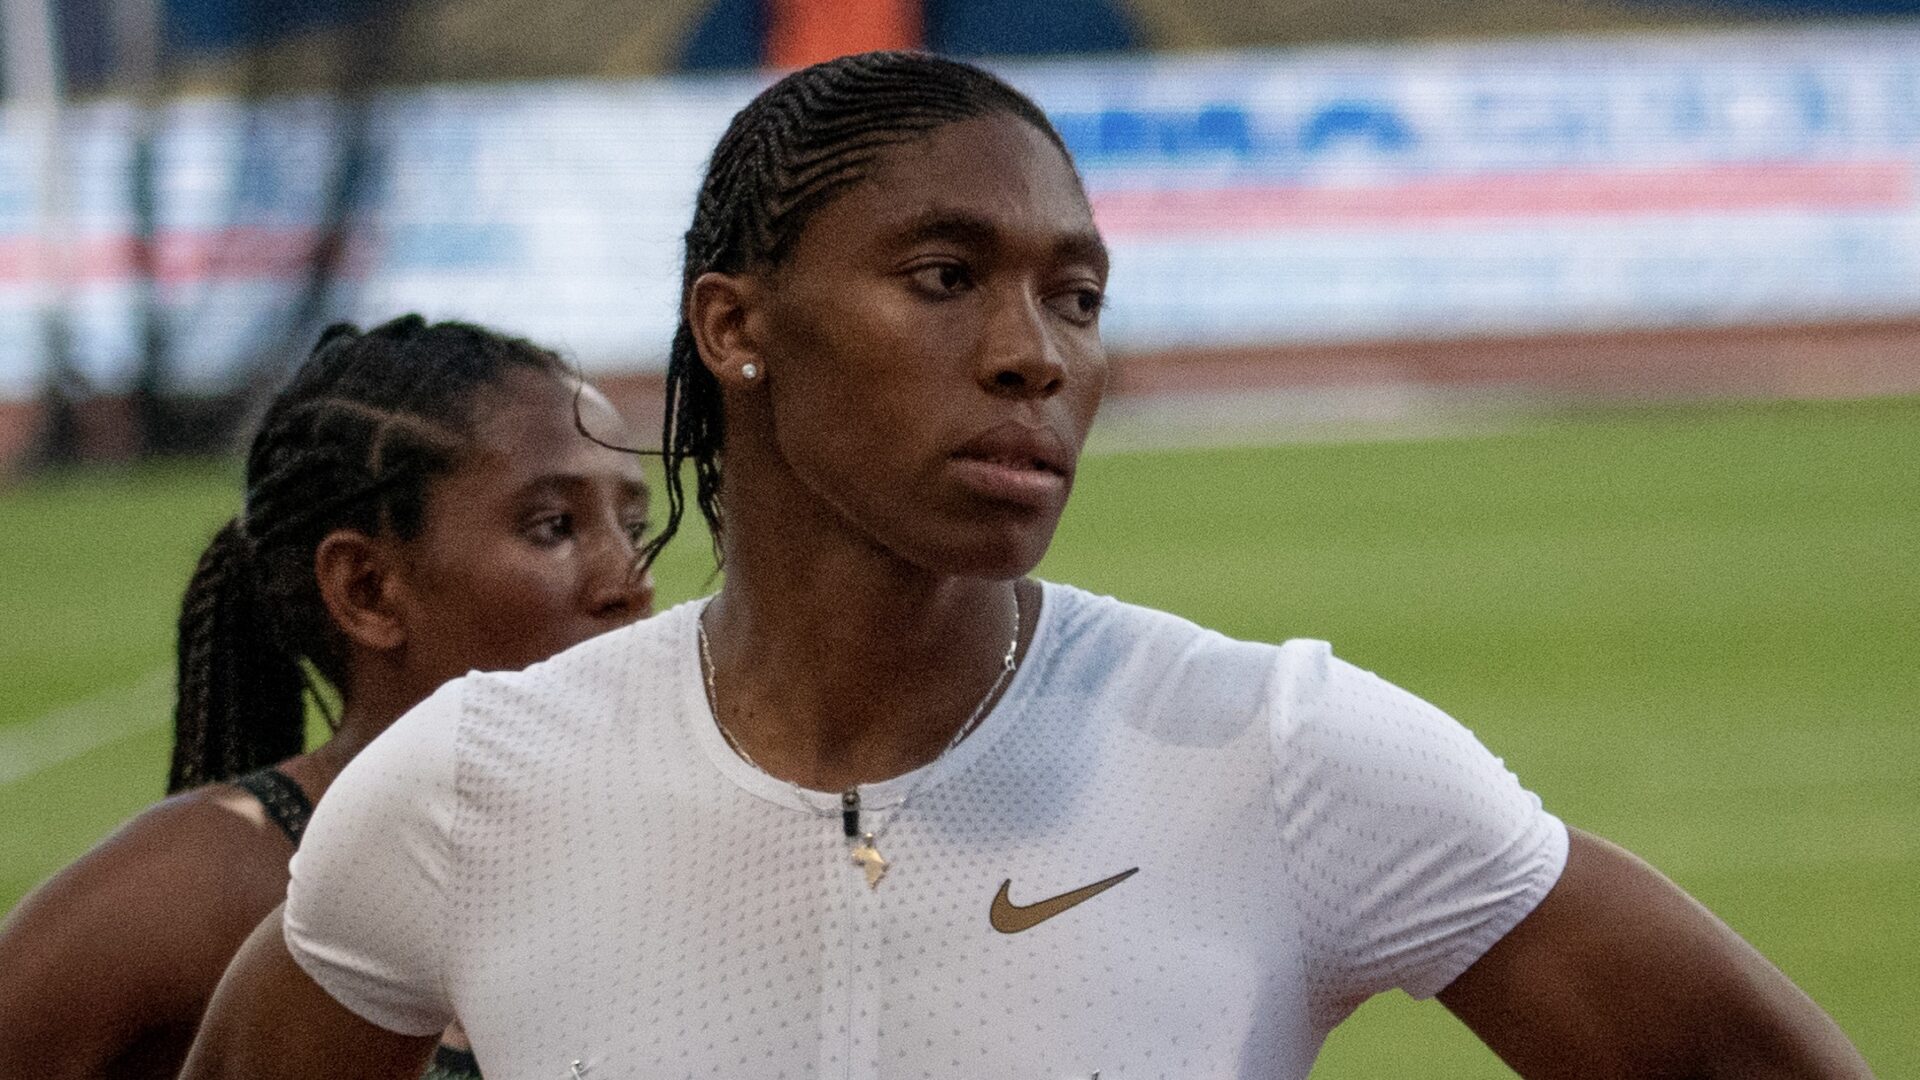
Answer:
x=864 y=851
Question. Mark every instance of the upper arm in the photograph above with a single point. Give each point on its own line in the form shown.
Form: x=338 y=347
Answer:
x=269 y=1019
x=367 y=916
x=1620 y=973
x=68 y=1004
x=113 y=959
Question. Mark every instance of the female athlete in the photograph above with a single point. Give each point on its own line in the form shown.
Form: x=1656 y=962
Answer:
x=883 y=807
x=419 y=504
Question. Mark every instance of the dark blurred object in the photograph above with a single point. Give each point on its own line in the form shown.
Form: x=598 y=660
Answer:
x=729 y=34
x=734 y=34
x=1016 y=28
x=226 y=24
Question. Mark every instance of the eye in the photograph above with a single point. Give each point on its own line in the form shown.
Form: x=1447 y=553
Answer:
x=941 y=279
x=637 y=531
x=1080 y=305
x=549 y=529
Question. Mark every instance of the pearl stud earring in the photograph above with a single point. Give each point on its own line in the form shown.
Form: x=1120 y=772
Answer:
x=749 y=371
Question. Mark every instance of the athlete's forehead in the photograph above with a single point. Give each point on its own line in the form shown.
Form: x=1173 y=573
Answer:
x=531 y=426
x=990 y=182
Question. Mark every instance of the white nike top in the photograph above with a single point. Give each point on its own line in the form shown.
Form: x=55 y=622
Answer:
x=573 y=862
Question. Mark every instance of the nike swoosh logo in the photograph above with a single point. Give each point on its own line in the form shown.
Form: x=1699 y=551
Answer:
x=1011 y=918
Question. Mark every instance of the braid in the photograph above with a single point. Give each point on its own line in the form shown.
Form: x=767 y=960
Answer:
x=229 y=669
x=790 y=152
x=354 y=441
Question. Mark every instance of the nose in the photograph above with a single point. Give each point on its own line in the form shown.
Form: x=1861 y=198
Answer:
x=638 y=603
x=619 y=589
x=1021 y=353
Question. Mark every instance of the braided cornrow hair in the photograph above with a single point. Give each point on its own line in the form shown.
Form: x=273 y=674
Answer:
x=790 y=152
x=355 y=440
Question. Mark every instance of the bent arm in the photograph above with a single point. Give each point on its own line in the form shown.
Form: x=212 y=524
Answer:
x=106 y=967
x=1618 y=973
x=77 y=994
x=269 y=1019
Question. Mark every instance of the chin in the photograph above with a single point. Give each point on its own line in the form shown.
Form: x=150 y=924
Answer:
x=996 y=555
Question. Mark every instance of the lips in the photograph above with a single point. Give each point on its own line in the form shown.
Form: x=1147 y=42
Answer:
x=1015 y=463
x=1019 y=447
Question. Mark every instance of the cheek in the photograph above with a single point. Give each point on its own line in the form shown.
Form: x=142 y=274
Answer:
x=1090 y=388
x=538 y=599
x=508 y=610
x=859 y=382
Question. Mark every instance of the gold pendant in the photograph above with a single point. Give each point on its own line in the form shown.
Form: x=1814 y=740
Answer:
x=868 y=858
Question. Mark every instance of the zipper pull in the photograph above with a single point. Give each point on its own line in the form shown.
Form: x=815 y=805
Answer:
x=850 y=812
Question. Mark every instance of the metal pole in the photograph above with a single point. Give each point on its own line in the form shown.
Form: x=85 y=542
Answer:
x=136 y=54
x=137 y=44
x=34 y=71
x=35 y=87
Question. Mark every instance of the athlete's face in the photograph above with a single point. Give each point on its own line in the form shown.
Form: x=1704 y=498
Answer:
x=935 y=357
x=528 y=546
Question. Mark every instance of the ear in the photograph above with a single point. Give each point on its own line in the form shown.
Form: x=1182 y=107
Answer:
x=723 y=311
x=359 y=582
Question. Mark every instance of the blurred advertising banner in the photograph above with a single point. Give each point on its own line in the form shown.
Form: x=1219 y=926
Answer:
x=1406 y=193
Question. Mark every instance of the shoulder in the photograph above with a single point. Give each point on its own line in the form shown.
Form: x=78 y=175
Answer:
x=403 y=780
x=591 y=677
x=119 y=909
x=1171 y=678
x=211 y=851
x=481 y=745
x=488 y=712
x=1083 y=622
x=1309 y=697
x=509 y=730
x=1340 y=723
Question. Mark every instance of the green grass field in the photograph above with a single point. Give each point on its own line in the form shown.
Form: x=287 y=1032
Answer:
x=1695 y=630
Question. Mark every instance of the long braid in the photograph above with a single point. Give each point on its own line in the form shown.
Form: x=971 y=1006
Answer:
x=229 y=668
x=354 y=441
x=788 y=153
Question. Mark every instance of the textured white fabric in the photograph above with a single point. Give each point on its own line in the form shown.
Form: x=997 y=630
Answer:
x=573 y=862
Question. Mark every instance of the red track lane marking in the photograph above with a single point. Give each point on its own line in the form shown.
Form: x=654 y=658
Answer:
x=180 y=256
x=1858 y=185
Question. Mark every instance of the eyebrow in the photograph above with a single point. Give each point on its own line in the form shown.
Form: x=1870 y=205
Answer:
x=633 y=489
x=972 y=230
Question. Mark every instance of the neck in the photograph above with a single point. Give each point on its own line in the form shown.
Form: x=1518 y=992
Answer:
x=849 y=692
x=369 y=707
x=836 y=665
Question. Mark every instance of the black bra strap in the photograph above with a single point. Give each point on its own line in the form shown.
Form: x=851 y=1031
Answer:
x=451 y=1064
x=282 y=799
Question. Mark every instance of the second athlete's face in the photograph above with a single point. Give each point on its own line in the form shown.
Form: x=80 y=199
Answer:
x=935 y=356
x=527 y=547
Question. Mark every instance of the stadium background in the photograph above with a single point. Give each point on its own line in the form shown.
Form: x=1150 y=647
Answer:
x=1555 y=359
